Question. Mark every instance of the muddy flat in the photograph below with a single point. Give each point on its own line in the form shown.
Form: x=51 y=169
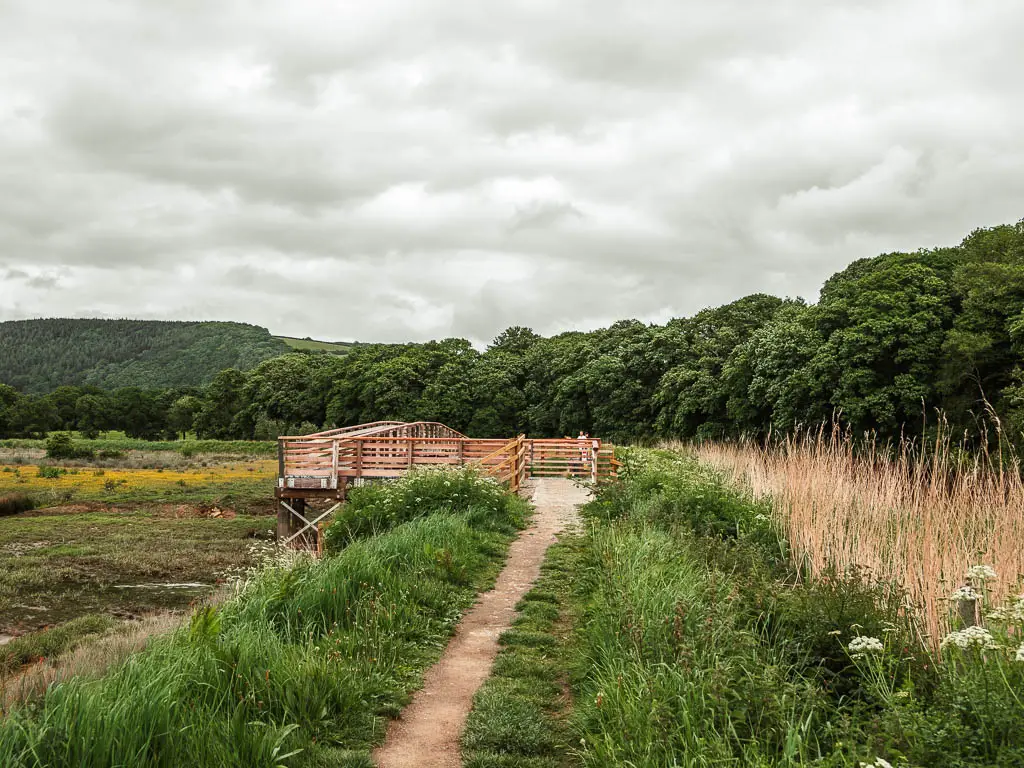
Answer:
x=427 y=733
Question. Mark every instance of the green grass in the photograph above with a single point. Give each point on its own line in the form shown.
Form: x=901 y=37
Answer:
x=51 y=642
x=518 y=718
x=698 y=643
x=312 y=345
x=301 y=669
x=56 y=567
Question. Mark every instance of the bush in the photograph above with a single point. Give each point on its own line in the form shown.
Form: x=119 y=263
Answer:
x=373 y=509
x=51 y=473
x=60 y=445
x=12 y=505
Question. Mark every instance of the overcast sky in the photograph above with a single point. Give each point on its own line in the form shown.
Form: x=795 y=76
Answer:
x=412 y=169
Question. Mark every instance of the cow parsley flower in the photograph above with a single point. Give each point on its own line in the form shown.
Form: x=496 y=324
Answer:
x=965 y=593
x=1020 y=653
x=971 y=637
x=981 y=572
x=861 y=646
x=879 y=763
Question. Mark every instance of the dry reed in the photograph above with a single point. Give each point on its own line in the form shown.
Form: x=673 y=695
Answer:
x=914 y=519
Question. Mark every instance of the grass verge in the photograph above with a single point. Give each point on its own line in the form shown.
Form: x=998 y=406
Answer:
x=518 y=716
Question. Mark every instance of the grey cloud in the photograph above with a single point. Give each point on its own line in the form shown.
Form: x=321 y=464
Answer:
x=402 y=170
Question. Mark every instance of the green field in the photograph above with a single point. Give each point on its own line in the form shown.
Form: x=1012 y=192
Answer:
x=114 y=441
x=312 y=345
x=674 y=627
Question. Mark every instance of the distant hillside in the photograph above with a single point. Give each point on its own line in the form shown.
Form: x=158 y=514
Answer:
x=312 y=345
x=39 y=355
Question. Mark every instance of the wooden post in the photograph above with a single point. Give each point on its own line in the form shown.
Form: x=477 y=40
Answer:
x=280 y=463
x=514 y=478
x=334 y=463
x=283 y=517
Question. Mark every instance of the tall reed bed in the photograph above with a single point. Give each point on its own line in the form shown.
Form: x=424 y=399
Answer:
x=915 y=519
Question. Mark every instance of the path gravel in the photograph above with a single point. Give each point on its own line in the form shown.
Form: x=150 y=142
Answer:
x=427 y=733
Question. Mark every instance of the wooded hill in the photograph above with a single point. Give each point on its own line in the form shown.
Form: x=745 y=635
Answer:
x=40 y=355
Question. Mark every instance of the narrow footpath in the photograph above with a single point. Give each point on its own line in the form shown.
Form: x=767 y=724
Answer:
x=427 y=733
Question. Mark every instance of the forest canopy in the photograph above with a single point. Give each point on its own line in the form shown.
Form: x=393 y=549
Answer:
x=892 y=342
x=40 y=355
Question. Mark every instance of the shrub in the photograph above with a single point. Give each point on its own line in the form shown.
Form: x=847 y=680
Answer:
x=51 y=473
x=12 y=505
x=60 y=445
x=373 y=509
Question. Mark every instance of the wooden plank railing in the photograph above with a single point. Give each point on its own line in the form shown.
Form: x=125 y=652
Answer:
x=390 y=449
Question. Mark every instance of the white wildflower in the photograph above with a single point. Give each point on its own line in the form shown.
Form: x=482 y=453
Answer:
x=761 y=518
x=971 y=637
x=879 y=763
x=997 y=614
x=981 y=572
x=862 y=645
x=965 y=593
x=1020 y=653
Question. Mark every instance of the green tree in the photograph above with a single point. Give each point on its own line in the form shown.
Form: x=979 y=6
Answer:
x=182 y=414
x=982 y=351
x=690 y=398
x=225 y=414
x=884 y=322
x=93 y=415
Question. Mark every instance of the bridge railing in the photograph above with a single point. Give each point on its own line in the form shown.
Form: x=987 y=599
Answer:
x=326 y=461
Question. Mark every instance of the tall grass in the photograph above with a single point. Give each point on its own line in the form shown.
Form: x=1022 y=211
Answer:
x=301 y=668
x=698 y=644
x=915 y=519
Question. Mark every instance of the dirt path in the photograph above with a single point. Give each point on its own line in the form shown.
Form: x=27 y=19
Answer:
x=427 y=734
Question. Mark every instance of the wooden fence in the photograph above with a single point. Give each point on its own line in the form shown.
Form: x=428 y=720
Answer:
x=327 y=461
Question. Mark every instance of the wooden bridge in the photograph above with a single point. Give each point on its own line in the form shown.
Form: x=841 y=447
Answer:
x=324 y=465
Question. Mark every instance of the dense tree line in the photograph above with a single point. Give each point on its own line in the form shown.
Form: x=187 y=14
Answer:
x=40 y=355
x=891 y=341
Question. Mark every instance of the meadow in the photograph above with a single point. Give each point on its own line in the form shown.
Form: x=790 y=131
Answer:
x=127 y=530
x=306 y=660
x=720 y=605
